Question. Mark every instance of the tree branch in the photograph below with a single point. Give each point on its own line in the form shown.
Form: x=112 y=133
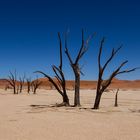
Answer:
x=127 y=71
x=60 y=43
x=51 y=80
x=55 y=69
x=67 y=51
x=99 y=56
x=111 y=57
x=81 y=49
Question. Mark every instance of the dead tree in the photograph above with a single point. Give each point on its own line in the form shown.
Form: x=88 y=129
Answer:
x=21 y=83
x=76 y=68
x=28 y=80
x=60 y=85
x=116 y=98
x=35 y=85
x=12 y=80
x=103 y=84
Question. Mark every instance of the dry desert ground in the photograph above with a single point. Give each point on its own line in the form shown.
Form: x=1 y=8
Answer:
x=33 y=117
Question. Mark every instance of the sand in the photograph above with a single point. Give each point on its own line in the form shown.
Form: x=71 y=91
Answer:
x=31 y=117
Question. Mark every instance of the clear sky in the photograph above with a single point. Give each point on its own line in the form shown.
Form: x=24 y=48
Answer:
x=28 y=34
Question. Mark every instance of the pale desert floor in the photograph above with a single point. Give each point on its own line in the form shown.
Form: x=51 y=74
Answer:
x=21 y=121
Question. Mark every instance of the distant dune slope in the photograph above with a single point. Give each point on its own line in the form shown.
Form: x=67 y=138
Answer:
x=122 y=84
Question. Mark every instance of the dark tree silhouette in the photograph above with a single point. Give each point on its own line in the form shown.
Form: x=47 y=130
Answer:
x=35 y=85
x=28 y=81
x=116 y=98
x=75 y=66
x=60 y=85
x=12 y=80
x=103 y=84
x=21 y=83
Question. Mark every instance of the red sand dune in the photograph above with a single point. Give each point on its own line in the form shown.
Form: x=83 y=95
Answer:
x=122 y=84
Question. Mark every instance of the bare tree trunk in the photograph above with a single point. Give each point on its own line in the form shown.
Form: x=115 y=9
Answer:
x=77 y=89
x=28 y=80
x=28 y=86
x=116 y=98
x=66 y=100
x=14 y=88
x=21 y=86
x=34 y=90
x=97 y=100
x=21 y=83
x=17 y=89
x=28 y=89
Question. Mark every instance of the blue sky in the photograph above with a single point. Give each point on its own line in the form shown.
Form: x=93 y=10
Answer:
x=28 y=34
